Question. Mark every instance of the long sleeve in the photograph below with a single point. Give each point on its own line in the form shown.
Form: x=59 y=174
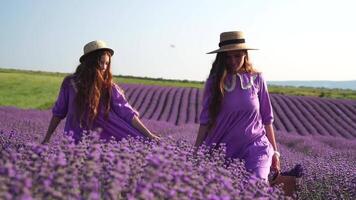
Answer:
x=60 y=108
x=120 y=105
x=204 y=115
x=265 y=102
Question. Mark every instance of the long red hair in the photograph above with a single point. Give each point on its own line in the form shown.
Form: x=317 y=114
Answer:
x=94 y=88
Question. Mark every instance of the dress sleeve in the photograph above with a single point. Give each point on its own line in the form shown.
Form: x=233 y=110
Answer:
x=204 y=114
x=265 y=102
x=120 y=105
x=60 y=107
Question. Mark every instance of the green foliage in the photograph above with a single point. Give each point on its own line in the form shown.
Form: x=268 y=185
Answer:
x=38 y=90
x=316 y=92
x=28 y=90
x=158 y=81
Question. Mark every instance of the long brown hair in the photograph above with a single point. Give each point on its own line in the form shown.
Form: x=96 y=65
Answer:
x=94 y=88
x=218 y=73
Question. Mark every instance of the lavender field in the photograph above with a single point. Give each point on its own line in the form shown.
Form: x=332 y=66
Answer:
x=317 y=133
x=293 y=114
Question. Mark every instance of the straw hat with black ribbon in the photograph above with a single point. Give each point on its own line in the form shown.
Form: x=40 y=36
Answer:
x=231 y=41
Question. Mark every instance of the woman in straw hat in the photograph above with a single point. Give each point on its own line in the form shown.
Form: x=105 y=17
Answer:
x=90 y=100
x=237 y=109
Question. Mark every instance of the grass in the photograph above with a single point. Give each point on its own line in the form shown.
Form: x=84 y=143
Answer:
x=158 y=81
x=315 y=92
x=118 y=79
x=38 y=90
x=28 y=90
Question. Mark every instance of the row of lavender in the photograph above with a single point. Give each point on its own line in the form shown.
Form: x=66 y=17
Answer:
x=137 y=169
x=302 y=115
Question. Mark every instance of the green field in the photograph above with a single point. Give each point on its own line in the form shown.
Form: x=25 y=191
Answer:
x=38 y=90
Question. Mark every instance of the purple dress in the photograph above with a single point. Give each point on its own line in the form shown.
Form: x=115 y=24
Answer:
x=240 y=122
x=118 y=124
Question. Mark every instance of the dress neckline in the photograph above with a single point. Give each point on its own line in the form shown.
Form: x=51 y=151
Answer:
x=246 y=81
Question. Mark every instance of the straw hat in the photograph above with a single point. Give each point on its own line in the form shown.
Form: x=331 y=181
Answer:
x=95 y=46
x=230 y=41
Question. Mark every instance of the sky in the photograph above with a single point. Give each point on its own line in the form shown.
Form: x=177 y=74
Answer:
x=297 y=40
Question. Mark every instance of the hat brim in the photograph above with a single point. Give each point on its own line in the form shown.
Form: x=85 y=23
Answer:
x=101 y=49
x=232 y=48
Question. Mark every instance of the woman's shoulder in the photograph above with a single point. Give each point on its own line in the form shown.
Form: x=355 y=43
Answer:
x=260 y=76
x=259 y=79
x=117 y=89
x=256 y=75
x=69 y=77
x=209 y=81
x=211 y=78
x=67 y=81
x=115 y=86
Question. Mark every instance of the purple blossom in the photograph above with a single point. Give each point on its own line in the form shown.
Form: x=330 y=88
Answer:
x=133 y=168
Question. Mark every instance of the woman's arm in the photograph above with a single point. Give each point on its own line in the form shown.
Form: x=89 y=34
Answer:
x=52 y=126
x=270 y=136
x=136 y=122
x=202 y=133
x=272 y=139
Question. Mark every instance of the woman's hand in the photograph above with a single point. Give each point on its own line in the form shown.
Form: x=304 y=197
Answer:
x=202 y=133
x=154 y=137
x=276 y=164
x=51 y=127
x=45 y=141
x=136 y=122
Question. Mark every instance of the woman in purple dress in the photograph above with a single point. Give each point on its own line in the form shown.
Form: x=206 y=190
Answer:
x=237 y=109
x=90 y=100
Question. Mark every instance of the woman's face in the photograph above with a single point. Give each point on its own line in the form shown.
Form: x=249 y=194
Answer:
x=104 y=62
x=235 y=60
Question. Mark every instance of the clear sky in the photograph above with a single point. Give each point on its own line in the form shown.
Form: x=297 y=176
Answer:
x=298 y=39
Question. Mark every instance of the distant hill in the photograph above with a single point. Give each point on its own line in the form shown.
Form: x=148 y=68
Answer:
x=318 y=84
